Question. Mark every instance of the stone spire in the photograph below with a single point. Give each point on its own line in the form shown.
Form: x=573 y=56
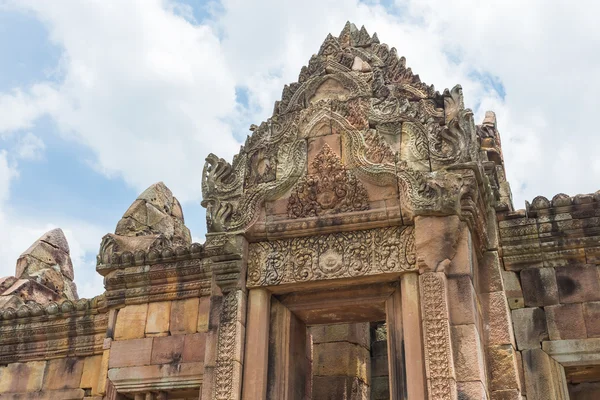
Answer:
x=153 y=221
x=44 y=273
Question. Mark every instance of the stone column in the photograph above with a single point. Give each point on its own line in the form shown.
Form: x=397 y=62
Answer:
x=254 y=385
x=341 y=361
x=413 y=336
x=289 y=370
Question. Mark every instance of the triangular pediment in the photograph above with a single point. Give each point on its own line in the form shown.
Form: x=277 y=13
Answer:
x=358 y=98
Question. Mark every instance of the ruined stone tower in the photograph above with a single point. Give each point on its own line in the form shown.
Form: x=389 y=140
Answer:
x=362 y=245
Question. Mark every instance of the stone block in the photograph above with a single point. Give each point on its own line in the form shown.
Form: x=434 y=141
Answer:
x=184 y=316
x=469 y=363
x=91 y=371
x=167 y=377
x=11 y=301
x=341 y=359
x=530 y=327
x=565 y=321
x=203 y=314
x=578 y=284
x=462 y=301
x=497 y=317
x=520 y=370
x=63 y=373
x=129 y=353
x=489 y=277
x=131 y=322
x=539 y=287
x=471 y=390
x=380 y=388
x=352 y=333
x=539 y=375
x=22 y=377
x=194 y=347
x=512 y=288
x=436 y=240
x=167 y=350
x=463 y=262
x=511 y=394
x=65 y=394
x=339 y=387
x=157 y=322
x=591 y=314
x=502 y=367
x=379 y=366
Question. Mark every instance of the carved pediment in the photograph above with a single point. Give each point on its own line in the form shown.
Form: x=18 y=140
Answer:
x=391 y=130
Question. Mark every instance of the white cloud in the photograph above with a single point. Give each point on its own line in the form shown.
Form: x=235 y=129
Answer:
x=30 y=147
x=151 y=92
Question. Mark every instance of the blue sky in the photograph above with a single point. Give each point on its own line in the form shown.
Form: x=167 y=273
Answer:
x=98 y=100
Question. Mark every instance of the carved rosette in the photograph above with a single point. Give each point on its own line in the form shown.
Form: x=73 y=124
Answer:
x=337 y=255
x=330 y=190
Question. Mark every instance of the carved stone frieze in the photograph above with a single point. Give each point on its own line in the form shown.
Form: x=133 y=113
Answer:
x=331 y=189
x=39 y=332
x=338 y=255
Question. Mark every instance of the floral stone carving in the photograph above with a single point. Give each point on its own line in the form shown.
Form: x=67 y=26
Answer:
x=337 y=255
x=330 y=190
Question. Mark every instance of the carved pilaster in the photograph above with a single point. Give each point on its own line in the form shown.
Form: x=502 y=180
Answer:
x=439 y=363
x=231 y=334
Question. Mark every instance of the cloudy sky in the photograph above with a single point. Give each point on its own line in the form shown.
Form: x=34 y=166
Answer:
x=101 y=98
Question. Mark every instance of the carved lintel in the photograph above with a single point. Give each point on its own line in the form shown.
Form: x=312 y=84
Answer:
x=338 y=255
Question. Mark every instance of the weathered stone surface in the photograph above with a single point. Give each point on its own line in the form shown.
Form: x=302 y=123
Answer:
x=436 y=241
x=167 y=350
x=578 y=284
x=339 y=387
x=530 y=327
x=63 y=373
x=351 y=333
x=131 y=322
x=511 y=394
x=127 y=353
x=471 y=391
x=13 y=301
x=539 y=287
x=502 y=367
x=194 y=347
x=184 y=316
x=157 y=321
x=489 y=277
x=64 y=394
x=155 y=212
x=91 y=374
x=203 y=314
x=468 y=355
x=539 y=375
x=591 y=314
x=46 y=262
x=463 y=306
x=565 y=321
x=497 y=316
x=22 y=377
x=341 y=359
x=512 y=287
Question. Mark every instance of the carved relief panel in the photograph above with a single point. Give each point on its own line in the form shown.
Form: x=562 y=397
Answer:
x=338 y=255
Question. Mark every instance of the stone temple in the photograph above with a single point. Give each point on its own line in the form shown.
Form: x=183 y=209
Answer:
x=362 y=245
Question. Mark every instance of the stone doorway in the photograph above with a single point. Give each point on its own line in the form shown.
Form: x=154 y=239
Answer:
x=332 y=342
